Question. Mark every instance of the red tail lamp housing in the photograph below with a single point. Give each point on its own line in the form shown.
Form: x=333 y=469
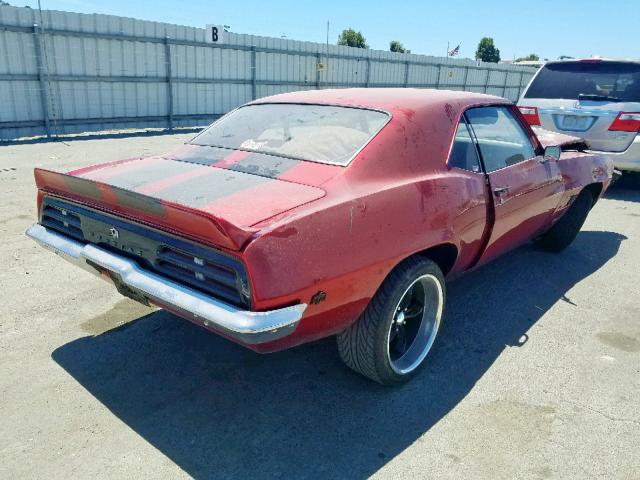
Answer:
x=626 y=122
x=530 y=114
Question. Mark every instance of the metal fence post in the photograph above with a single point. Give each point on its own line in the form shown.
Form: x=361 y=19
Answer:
x=406 y=74
x=167 y=56
x=438 y=79
x=506 y=81
x=318 y=58
x=520 y=84
x=464 y=79
x=368 y=77
x=486 y=83
x=44 y=95
x=253 y=72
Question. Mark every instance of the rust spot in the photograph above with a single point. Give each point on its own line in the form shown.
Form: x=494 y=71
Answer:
x=450 y=111
x=318 y=297
x=408 y=112
x=350 y=219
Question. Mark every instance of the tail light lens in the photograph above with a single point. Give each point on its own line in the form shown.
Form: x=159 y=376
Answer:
x=626 y=122
x=530 y=114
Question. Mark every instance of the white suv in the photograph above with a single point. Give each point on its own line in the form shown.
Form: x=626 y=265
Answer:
x=596 y=99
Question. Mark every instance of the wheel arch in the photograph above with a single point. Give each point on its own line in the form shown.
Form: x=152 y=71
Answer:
x=444 y=255
x=595 y=189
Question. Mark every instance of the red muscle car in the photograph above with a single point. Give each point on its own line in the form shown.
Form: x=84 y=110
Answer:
x=332 y=212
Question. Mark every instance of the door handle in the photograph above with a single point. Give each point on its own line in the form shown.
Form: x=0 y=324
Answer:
x=500 y=191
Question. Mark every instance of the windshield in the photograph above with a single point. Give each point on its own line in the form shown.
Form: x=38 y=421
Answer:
x=318 y=133
x=598 y=81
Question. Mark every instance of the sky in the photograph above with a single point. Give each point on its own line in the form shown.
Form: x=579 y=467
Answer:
x=577 y=28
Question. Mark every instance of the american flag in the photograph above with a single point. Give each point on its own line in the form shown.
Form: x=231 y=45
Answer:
x=454 y=51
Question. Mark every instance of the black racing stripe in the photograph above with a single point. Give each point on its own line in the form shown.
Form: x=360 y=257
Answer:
x=85 y=188
x=262 y=164
x=205 y=155
x=139 y=202
x=150 y=173
x=211 y=186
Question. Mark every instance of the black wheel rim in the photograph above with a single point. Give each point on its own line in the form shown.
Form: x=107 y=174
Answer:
x=415 y=324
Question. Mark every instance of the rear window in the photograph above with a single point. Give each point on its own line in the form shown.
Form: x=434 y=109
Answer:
x=318 y=133
x=607 y=81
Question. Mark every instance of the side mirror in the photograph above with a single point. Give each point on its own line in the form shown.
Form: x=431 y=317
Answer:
x=552 y=153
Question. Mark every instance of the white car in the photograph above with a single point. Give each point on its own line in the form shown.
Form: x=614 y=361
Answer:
x=596 y=99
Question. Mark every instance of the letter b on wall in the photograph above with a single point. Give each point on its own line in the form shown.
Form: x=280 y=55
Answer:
x=215 y=34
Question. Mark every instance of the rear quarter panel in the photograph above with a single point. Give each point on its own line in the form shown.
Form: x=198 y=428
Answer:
x=580 y=169
x=396 y=198
x=346 y=249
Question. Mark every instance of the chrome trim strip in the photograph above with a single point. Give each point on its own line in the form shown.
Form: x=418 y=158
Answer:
x=245 y=326
x=582 y=111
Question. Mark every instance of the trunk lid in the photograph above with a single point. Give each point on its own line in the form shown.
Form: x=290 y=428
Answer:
x=209 y=194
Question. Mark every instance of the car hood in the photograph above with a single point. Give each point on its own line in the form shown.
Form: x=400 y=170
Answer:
x=233 y=189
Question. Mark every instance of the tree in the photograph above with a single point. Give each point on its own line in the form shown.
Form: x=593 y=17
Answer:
x=350 y=38
x=530 y=57
x=487 y=51
x=396 y=46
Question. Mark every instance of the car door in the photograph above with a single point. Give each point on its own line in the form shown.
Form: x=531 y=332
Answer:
x=525 y=188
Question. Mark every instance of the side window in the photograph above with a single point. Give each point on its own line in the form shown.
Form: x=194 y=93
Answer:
x=501 y=138
x=463 y=152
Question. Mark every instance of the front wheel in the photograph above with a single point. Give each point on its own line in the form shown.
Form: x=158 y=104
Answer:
x=566 y=229
x=394 y=334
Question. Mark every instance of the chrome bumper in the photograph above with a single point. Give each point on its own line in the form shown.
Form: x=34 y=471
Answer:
x=245 y=326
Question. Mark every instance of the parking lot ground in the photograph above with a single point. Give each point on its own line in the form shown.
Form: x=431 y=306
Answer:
x=536 y=373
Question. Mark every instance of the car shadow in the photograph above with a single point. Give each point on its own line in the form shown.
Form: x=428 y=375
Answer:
x=219 y=410
x=626 y=189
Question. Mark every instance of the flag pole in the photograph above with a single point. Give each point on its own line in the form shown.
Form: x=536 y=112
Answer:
x=447 y=55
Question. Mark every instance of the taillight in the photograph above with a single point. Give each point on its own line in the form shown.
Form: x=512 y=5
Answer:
x=530 y=114
x=626 y=122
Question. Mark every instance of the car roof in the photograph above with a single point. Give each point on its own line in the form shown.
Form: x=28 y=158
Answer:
x=389 y=99
x=593 y=60
x=419 y=134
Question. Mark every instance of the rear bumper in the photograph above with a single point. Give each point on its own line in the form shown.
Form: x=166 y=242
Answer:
x=629 y=160
x=243 y=326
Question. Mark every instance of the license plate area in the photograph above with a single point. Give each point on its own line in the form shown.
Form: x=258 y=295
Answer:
x=123 y=288
x=574 y=123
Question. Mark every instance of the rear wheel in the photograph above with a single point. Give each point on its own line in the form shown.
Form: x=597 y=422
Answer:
x=396 y=331
x=565 y=230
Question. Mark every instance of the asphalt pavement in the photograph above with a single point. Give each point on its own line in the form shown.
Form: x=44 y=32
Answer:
x=536 y=373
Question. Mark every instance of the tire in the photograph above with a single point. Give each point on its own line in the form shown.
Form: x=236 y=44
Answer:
x=565 y=230
x=373 y=345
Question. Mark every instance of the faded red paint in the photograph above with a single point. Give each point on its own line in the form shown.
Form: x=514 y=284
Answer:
x=341 y=230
